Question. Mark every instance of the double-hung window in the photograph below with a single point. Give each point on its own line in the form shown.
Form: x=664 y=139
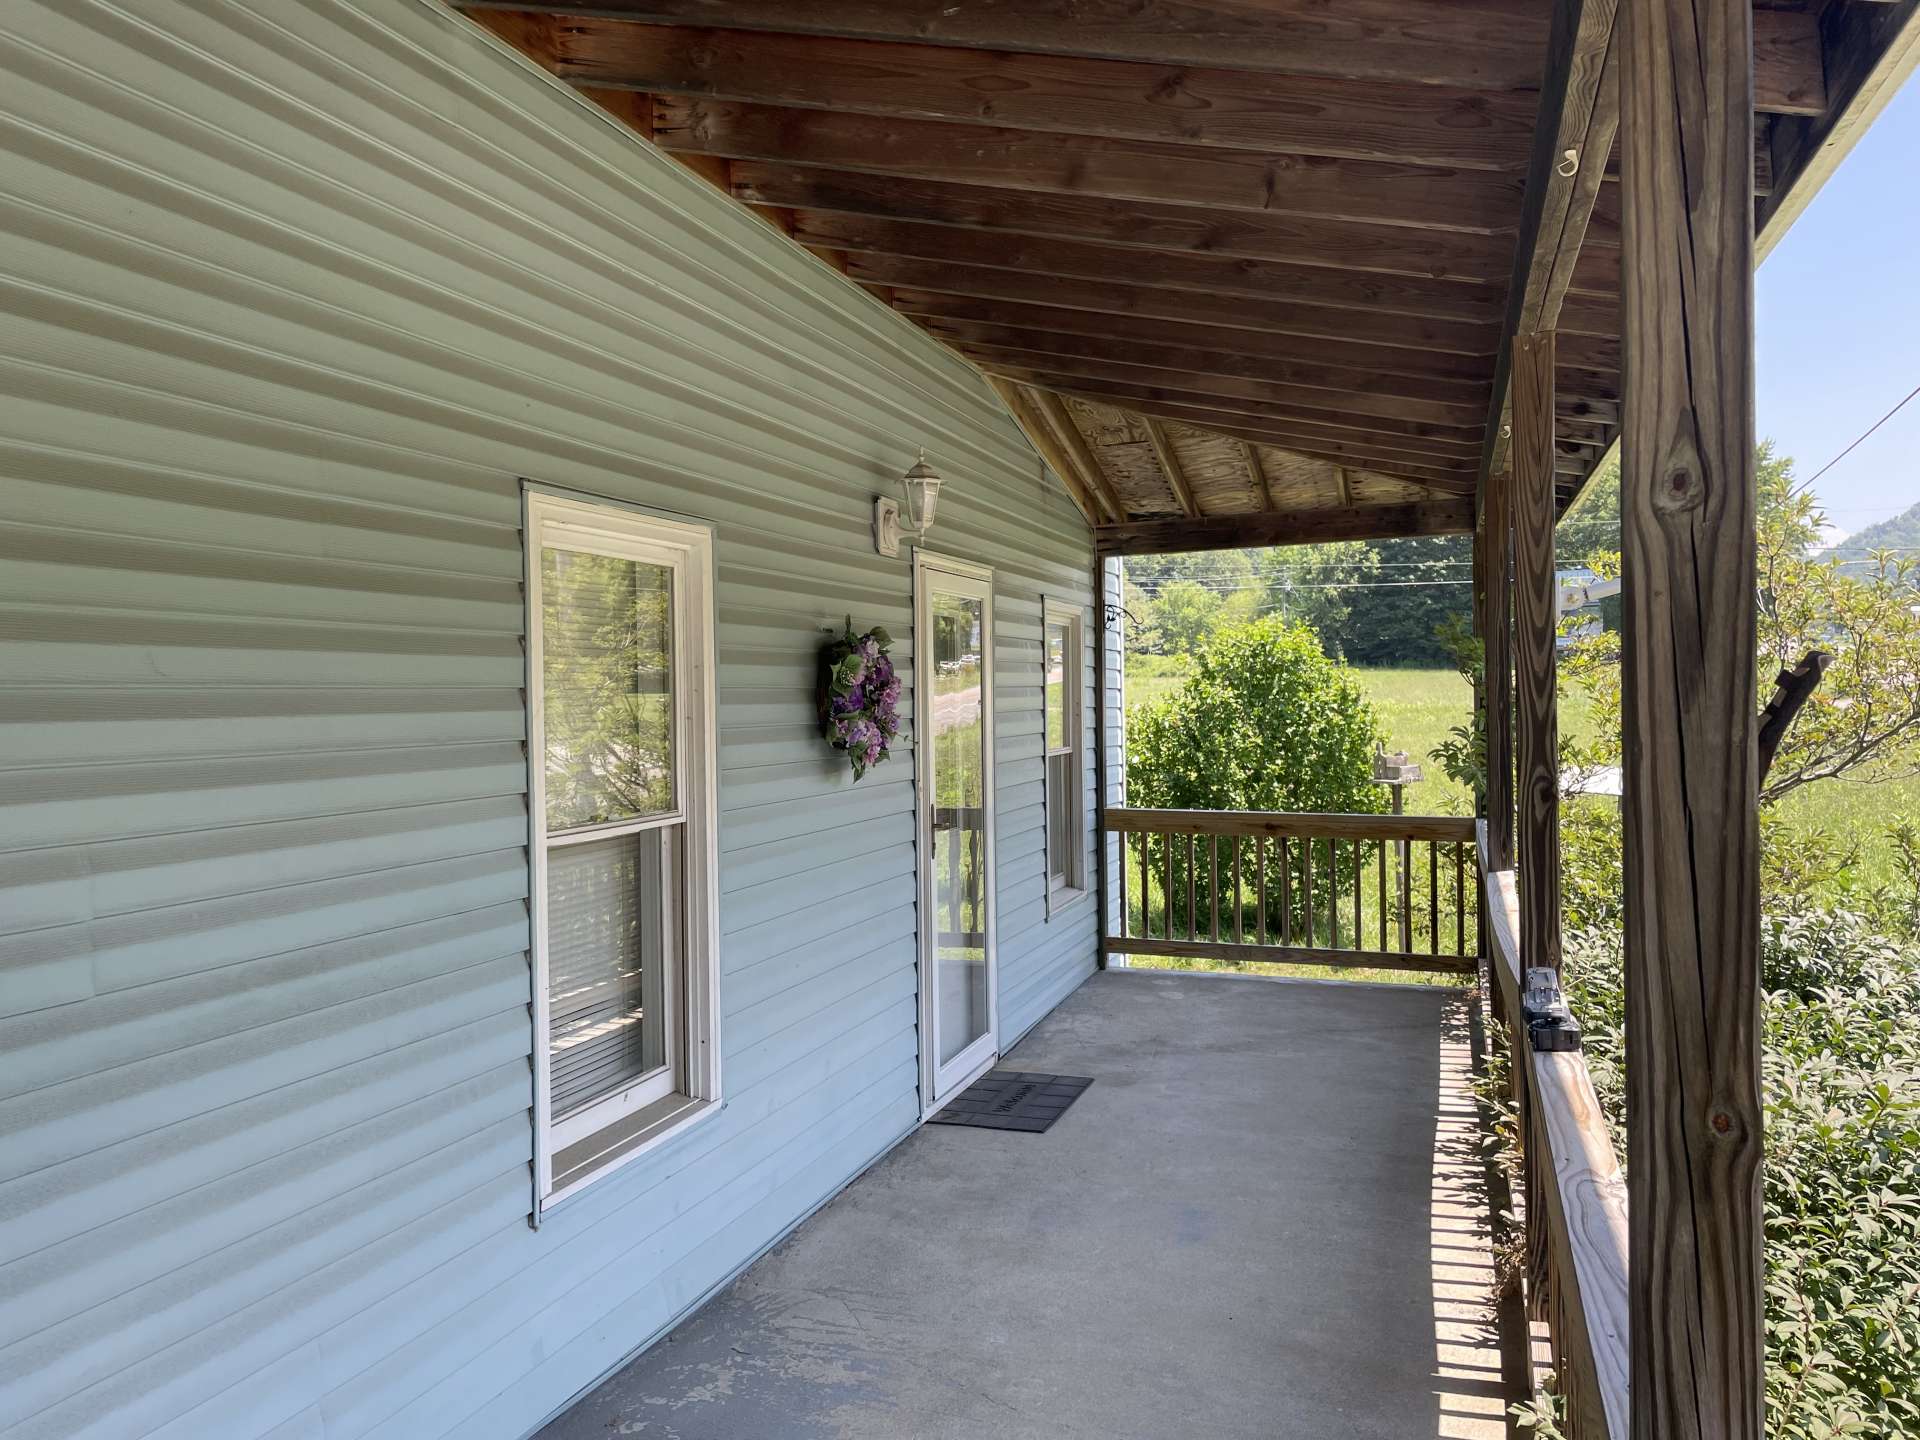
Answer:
x=626 y=1046
x=1065 y=832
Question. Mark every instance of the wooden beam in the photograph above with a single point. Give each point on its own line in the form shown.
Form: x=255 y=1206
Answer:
x=1170 y=466
x=1328 y=245
x=962 y=316
x=1363 y=191
x=1579 y=117
x=1303 y=527
x=1020 y=405
x=1872 y=49
x=1264 y=491
x=1285 y=316
x=1692 y=876
x=1497 y=525
x=1475 y=44
x=1299 y=370
x=1416 y=124
x=1163 y=269
x=1371 y=402
x=1425 y=469
x=1536 y=615
x=1789 y=70
x=1055 y=410
x=1456 y=442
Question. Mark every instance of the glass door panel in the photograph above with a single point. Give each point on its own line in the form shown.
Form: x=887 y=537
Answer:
x=955 y=694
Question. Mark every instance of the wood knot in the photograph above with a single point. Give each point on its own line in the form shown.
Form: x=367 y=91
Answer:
x=1680 y=489
x=1722 y=1123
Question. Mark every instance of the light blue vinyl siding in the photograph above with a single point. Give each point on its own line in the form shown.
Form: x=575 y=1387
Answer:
x=294 y=297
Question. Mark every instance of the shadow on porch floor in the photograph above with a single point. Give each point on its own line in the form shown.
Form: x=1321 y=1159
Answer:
x=1263 y=1220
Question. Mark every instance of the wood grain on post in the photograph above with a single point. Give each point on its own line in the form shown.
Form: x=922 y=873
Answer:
x=1691 y=772
x=1498 y=507
x=1534 y=606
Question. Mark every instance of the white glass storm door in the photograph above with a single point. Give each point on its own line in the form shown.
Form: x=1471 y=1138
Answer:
x=953 y=696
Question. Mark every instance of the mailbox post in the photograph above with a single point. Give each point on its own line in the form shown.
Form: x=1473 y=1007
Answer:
x=1396 y=772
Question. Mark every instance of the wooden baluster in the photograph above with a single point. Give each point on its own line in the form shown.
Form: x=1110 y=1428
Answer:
x=1383 y=896
x=1306 y=888
x=1166 y=883
x=1286 y=891
x=1459 y=899
x=1193 y=932
x=1125 y=922
x=1333 y=891
x=1433 y=896
x=1147 y=889
x=1359 y=878
x=1239 y=906
x=1406 y=899
x=1213 y=885
x=1260 y=890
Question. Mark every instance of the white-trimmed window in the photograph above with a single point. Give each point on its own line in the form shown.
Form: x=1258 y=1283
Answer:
x=1066 y=839
x=625 y=917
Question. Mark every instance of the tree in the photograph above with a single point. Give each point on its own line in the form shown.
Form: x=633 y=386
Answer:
x=1865 y=715
x=1265 y=722
x=1591 y=526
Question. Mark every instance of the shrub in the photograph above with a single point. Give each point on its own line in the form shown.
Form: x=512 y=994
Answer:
x=1265 y=722
x=1841 y=1180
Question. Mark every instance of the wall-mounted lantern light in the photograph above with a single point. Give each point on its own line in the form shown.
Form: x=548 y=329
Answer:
x=891 y=520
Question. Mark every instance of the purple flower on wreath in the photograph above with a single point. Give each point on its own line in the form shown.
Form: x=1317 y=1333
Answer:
x=859 y=696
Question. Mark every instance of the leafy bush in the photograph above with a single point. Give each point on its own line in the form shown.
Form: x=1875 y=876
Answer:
x=1265 y=722
x=1841 y=1180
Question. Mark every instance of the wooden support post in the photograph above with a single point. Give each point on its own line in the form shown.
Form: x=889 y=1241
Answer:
x=1535 y=621
x=1101 y=887
x=1688 y=676
x=1498 y=506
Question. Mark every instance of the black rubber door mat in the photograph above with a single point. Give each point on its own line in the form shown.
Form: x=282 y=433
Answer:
x=1013 y=1100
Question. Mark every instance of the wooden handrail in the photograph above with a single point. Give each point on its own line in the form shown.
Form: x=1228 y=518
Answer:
x=1585 y=1224
x=1276 y=823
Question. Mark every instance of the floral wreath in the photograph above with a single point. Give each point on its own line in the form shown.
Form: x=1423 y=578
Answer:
x=859 y=693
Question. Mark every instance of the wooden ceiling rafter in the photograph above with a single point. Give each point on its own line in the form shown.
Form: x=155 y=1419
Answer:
x=1263 y=259
x=1170 y=467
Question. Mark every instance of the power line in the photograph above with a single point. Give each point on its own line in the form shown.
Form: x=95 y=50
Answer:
x=1808 y=484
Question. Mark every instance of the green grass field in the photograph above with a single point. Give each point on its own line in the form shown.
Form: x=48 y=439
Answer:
x=1418 y=707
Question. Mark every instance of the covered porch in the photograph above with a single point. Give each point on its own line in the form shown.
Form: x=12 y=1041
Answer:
x=1265 y=1218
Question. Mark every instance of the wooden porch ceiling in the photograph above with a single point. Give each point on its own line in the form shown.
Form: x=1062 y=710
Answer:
x=1241 y=268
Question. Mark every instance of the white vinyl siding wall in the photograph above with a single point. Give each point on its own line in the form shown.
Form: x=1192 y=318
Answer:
x=294 y=297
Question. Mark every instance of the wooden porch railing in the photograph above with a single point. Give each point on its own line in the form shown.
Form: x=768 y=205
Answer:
x=1387 y=891
x=1576 y=1205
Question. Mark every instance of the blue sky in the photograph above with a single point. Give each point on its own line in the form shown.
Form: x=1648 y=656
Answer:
x=1839 y=326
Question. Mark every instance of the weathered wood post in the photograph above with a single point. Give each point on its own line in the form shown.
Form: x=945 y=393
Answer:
x=1537 y=723
x=1692 y=835
x=1498 y=506
x=1534 y=617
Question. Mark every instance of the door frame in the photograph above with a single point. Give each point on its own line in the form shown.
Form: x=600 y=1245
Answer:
x=940 y=1083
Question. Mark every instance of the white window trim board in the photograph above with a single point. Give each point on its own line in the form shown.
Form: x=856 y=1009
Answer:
x=694 y=1092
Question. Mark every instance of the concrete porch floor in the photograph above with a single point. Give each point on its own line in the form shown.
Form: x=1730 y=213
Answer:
x=1264 y=1219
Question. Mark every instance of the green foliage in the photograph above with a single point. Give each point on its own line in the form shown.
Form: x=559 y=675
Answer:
x=1841 y=1176
x=1371 y=603
x=1901 y=534
x=606 y=640
x=1865 y=715
x=1265 y=722
x=1591 y=526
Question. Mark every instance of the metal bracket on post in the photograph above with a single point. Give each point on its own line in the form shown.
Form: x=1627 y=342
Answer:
x=1550 y=1024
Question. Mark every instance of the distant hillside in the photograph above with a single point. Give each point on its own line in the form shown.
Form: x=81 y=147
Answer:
x=1901 y=533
